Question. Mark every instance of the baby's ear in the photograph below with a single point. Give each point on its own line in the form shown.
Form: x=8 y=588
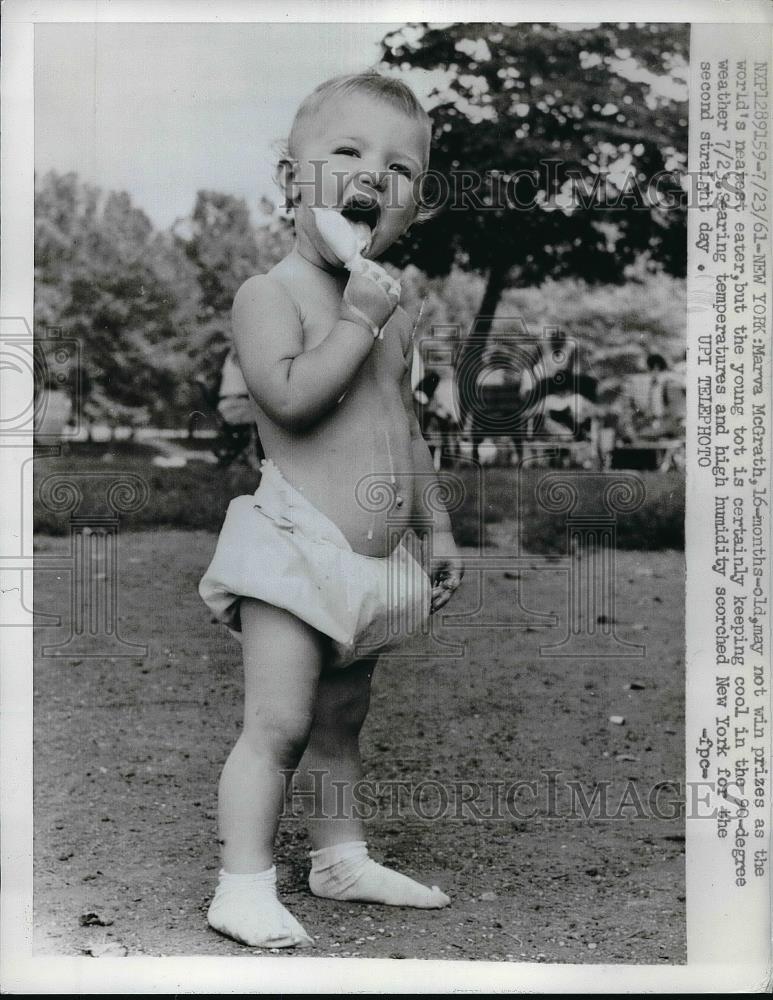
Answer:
x=285 y=175
x=426 y=212
x=427 y=206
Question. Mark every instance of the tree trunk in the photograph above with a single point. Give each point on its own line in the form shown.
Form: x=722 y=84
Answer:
x=471 y=354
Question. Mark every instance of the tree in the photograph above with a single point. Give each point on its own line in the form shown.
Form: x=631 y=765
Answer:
x=543 y=120
x=150 y=309
x=225 y=248
x=121 y=290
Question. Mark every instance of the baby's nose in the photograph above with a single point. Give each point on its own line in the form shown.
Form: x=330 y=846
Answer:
x=375 y=179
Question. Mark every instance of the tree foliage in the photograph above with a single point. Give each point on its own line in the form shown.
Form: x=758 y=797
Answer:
x=117 y=287
x=587 y=102
x=551 y=136
x=149 y=309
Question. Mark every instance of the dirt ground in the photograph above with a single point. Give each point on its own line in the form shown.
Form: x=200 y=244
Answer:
x=128 y=753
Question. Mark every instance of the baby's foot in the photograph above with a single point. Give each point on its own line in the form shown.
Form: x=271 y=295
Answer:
x=246 y=908
x=345 y=871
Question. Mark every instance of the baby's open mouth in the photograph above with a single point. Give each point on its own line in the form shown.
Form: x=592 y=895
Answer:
x=362 y=210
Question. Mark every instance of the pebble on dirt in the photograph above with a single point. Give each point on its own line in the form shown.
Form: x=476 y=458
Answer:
x=92 y=919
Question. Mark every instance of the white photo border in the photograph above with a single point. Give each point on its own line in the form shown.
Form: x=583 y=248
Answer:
x=711 y=966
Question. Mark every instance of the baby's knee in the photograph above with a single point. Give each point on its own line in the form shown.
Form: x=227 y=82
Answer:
x=283 y=736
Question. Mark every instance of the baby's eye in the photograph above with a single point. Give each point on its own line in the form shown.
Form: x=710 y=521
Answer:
x=400 y=168
x=346 y=151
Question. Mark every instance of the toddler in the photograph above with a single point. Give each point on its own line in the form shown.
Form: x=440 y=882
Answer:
x=314 y=572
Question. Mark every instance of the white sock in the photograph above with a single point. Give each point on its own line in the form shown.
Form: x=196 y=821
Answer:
x=344 y=871
x=246 y=908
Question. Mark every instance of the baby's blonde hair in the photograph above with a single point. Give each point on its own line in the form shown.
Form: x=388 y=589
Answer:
x=384 y=88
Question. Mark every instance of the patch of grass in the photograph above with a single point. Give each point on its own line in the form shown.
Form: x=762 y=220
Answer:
x=195 y=496
x=495 y=495
x=658 y=523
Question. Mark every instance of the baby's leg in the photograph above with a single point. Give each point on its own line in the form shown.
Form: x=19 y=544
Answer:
x=282 y=661
x=333 y=755
x=341 y=868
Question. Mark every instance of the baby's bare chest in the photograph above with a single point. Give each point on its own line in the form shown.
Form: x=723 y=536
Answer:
x=391 y=353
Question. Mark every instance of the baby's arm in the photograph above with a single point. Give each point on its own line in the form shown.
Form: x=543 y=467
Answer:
x=447 y=568
x=296 y=388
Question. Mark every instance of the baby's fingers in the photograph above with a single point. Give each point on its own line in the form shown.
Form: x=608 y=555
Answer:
x=444 y=589
x=370 y=269
x=440 y=597
x=365 y=301
x=393 y=292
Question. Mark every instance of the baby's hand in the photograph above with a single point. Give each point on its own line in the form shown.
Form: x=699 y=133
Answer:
x=370 y=296
x=447 y=571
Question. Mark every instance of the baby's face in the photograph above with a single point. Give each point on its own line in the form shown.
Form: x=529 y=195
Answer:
x=361 y=156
